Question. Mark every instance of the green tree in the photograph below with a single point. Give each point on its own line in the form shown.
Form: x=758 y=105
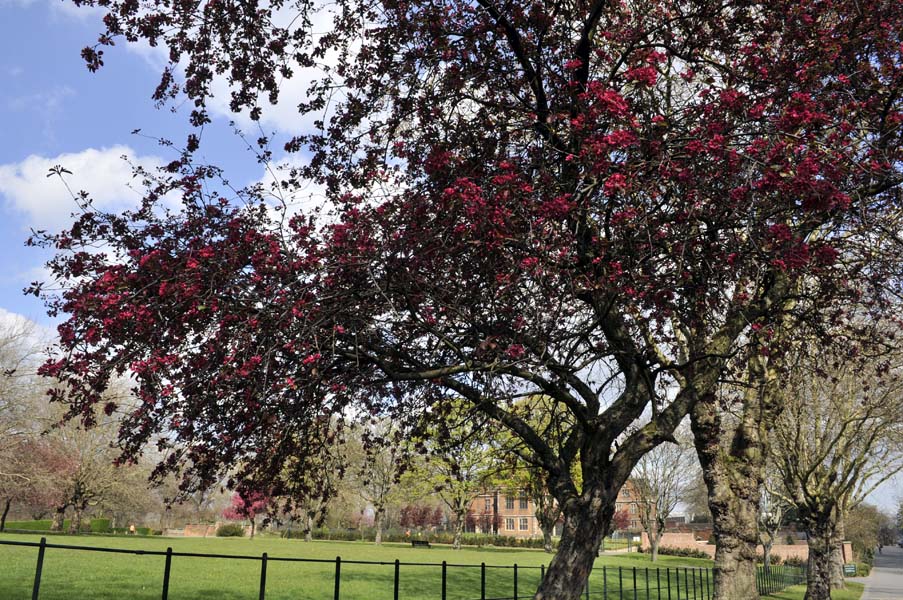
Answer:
x=457 y=464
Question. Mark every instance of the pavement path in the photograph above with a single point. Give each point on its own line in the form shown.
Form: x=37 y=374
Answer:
x=886 y=580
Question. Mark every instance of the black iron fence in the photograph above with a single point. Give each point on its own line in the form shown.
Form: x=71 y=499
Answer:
x=604 y=583
x=774 y=579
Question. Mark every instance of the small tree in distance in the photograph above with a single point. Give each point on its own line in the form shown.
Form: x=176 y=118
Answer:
x=246 y=506
x=660 y=481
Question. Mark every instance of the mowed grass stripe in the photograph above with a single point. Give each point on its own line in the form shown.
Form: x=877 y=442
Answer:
x=75 y=574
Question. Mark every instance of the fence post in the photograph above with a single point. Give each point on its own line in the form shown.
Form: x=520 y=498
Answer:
x=38 y=569
x=515 y=582
x=634 y=584
x=658 y=583
x=668 y=578
x=166 y=569
x=397 y=569
x=677 y=580
x=542 y=573
x=263 y=575
x=647 y=583
x=338 y=576
x=694 y=584
x=444 y=567
x=620 y=584
x=686 y=584
x=604 y=583
x=482 y=581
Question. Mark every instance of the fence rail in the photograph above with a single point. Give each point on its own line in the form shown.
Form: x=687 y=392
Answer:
x=605 y=583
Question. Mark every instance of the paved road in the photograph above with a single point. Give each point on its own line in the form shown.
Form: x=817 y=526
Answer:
x=886 y=579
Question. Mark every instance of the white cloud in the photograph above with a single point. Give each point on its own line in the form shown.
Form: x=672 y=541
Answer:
x=47 y=204
x=305 y=198
x=23 y=331
x=284 y=116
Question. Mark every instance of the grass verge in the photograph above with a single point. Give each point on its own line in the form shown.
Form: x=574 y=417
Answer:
x=102 y=576
x=852 y=592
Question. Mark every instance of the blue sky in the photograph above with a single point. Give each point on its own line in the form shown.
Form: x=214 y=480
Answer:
x=53 y=111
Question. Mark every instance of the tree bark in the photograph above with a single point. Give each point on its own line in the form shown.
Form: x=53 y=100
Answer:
x=378 y=521
x=818 y=579
x=733 y=464
x=460 y=517
x=253 y=526
x=836 y=567
x=76 y=523
x=654 y=541
x=766 y=552
x=309 y=530
x=733 y=476
x=6 y=506
x=58 y=517
x=585 y=526
x=547 y=540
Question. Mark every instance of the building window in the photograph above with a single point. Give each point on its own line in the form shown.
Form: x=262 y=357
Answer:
x=509 y=503
x=626 y=493
x=487 y=505
x=524 y=524
x=523 y=502
x=509 y=524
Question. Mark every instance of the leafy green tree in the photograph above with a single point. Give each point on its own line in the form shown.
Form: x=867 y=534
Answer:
x=457 y=464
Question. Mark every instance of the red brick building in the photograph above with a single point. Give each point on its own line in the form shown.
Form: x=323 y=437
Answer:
x=512 y=513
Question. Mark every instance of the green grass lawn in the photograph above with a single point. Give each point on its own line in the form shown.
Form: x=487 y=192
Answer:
x=853 y=592
x=71 y=574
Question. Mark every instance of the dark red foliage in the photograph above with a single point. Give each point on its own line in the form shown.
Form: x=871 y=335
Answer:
x=620 y=521
x=246 y=506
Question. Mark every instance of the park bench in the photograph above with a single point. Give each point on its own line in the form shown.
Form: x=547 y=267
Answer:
x=420 y=543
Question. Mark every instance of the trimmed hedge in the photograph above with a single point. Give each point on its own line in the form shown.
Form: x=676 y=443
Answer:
x=435 y=537
x=100 y=526
x=230 y=530
x=686 y=552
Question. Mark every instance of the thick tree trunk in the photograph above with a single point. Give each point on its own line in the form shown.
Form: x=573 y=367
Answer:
x=309 y=529
x=459 y=529
x=253 y=527
x=378 y=521
x=6 y=506
x=818 y=583
x=547 y=540
x=732 y=455
x=733 y=475
x=58 y=517
x=585 y=525
x=836 y=566
x=75 y=524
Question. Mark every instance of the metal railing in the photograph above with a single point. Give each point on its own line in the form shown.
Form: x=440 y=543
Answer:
x=604 y=583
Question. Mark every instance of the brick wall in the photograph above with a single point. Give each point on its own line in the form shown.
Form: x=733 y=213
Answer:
x=688 y=540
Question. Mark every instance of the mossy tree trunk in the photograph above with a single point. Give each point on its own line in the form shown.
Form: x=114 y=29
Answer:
x=733 y=455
